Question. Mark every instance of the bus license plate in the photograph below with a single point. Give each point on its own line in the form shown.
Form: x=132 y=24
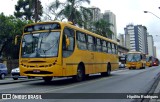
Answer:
x=36 y=71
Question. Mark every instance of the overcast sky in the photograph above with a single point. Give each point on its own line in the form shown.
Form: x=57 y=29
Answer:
x=126 y=11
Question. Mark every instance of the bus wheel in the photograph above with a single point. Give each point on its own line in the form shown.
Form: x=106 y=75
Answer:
x=80 y=74
x=47 y=79
x=143 y=66
x=108 y=72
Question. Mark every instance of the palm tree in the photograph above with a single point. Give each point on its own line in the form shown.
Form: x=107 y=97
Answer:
x=72 y=11
x=102 y=27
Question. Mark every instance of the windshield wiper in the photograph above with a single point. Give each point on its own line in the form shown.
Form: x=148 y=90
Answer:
x=56 y=42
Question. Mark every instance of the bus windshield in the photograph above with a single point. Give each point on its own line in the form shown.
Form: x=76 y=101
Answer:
x=133 y=57
x=148 y=59
x=38 y=45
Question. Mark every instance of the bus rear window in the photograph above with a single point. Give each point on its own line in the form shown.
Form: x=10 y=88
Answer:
x=37 y=27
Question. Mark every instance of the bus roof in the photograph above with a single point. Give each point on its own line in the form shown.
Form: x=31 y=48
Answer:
x=76 y=28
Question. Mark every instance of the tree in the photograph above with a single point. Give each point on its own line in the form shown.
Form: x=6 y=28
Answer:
x=102 y=27
x=28 y=9
x=9 y=28
x=72 y=11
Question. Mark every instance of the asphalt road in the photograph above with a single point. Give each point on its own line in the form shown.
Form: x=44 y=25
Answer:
x=94 y=88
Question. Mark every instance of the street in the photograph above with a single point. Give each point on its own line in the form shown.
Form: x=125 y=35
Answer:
x=121 y=81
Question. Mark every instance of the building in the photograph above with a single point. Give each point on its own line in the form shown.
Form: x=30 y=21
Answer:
x=111 y=18
x=150 y=45
x=144 y=39
x=97 y=15
x=154 y=51
x=136 y=38
x=122 y=39
x=130 y=37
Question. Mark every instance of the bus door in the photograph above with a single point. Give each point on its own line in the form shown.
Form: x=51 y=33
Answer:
x=68 y=45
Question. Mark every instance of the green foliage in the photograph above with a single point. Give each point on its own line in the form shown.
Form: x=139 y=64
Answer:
x=72 y=10
x=9 y=28
x=102 y=27
x=28 y=9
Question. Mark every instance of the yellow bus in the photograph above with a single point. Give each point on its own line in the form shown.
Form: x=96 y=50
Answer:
x=149 y=60
x=135 y=60
x=60 y=49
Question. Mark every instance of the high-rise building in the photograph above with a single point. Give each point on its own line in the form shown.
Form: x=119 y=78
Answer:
x=154 y=51
x=96 y=13
x=136 y=38
x=122 y=39
x=130 y=37
x=144 y=39
x=111 y=18
x=150 y=45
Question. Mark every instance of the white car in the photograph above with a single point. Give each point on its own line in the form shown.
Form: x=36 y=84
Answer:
x=121 y=65
x=16 y=74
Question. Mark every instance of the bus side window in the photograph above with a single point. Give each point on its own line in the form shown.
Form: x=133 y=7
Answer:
x=116 y=49
x=104 y=46
x=98 y=45
x=113 y=49
x=109 y=48
x=90 y=43
x=141 y=57
x=68 y=42
x=81 y=40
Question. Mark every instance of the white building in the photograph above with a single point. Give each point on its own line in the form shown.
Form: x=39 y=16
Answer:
x=130 y=37
x=97 y=15
x=154 y=51
x=111 y=18
x=122 y=39
x=150 y=45
x=136 y=38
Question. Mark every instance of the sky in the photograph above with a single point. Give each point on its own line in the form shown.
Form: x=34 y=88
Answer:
x=126 y=11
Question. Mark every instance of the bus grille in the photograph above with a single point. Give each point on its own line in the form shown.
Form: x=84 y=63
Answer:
x=41 y=72
x=36 y=66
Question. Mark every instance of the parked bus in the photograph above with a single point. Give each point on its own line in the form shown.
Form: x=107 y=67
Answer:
x=135 y=60
x=149 y=60
x=59 y=49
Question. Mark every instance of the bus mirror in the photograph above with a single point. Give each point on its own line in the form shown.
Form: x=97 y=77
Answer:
x=16 y=39
x=67 y=41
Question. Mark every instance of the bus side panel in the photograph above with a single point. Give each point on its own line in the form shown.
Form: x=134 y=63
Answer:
x=71 y=63
x=97 y=62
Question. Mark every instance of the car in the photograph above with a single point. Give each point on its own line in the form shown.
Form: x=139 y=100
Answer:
x=3 y=71
x=121 y=65
x=16 y=73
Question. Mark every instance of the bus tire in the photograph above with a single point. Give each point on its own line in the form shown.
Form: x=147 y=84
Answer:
x=80 y=74
x=47 y=79
x=108 y=72
x=143 y=66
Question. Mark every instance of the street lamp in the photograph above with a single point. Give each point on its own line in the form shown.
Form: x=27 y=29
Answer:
x=152 y=14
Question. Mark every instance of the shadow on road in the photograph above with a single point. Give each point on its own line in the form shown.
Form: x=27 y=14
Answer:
x=68 y=81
